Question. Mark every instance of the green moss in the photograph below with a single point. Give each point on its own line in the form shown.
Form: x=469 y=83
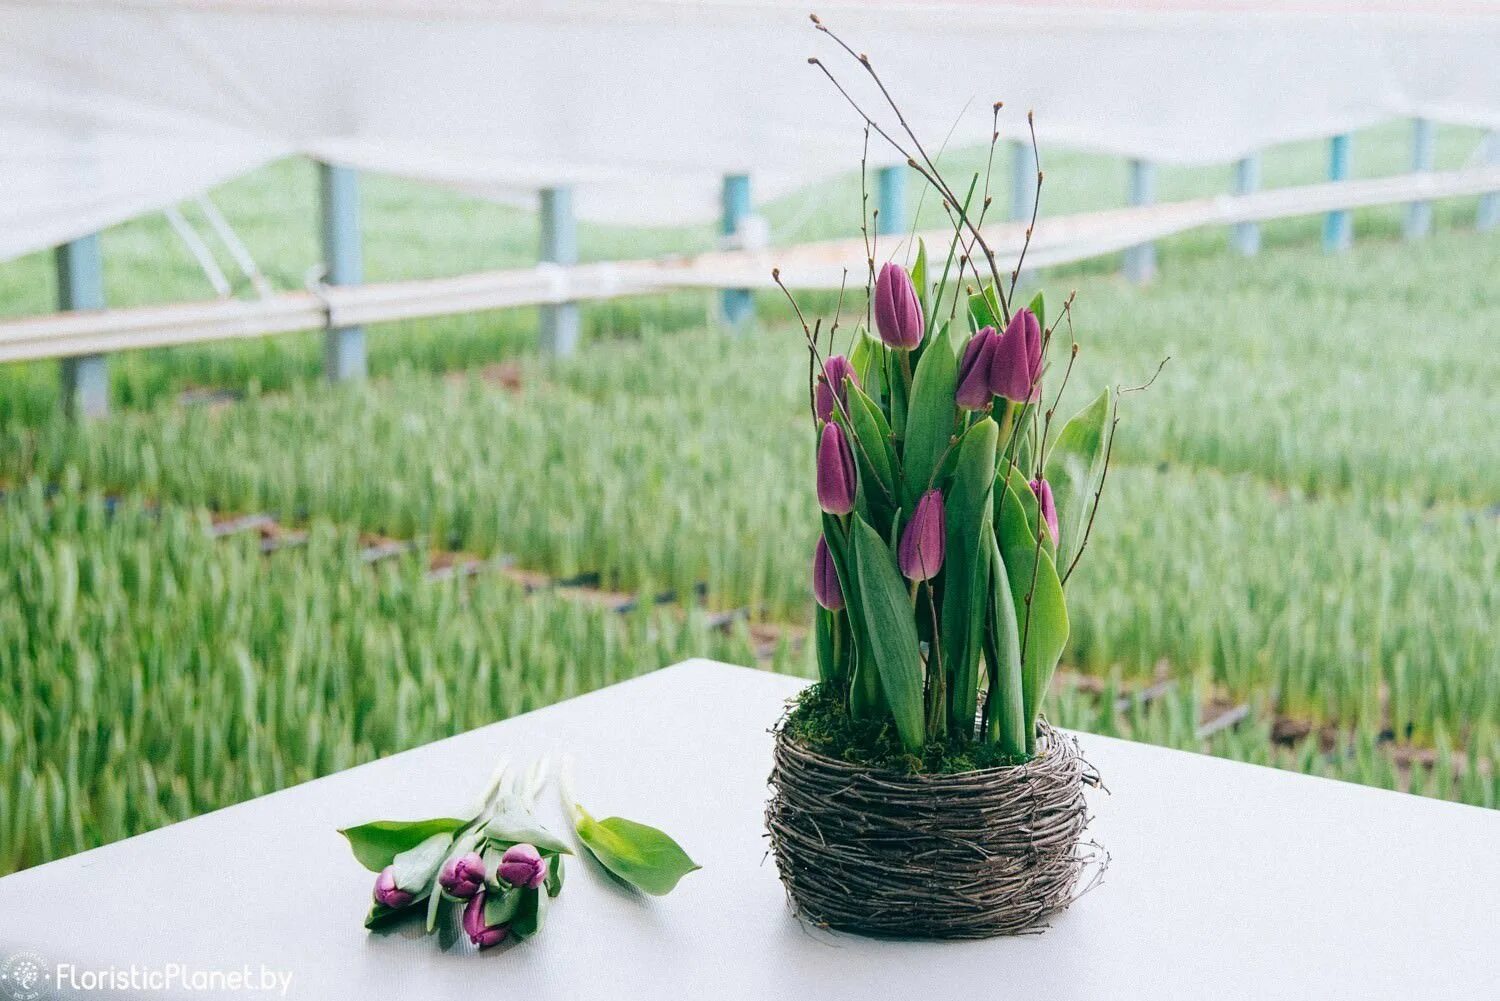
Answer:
x=819 y=720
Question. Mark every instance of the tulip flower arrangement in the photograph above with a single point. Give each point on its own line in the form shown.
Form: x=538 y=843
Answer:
x=496 y=870
x=953 y=508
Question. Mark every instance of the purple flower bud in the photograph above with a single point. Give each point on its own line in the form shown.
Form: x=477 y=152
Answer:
x=1043 y=491
x=474 y=925
x=974 y=370
x=1016 y=368
x=836 y=476
x=463 y=877
x=522 y=865
x=830 y=384
x=826 y=578
x=921 y=551
x=898 y=314
x=387 y=894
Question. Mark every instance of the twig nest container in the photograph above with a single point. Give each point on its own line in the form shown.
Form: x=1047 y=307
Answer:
x=968 y=855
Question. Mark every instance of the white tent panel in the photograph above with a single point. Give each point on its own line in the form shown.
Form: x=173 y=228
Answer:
x=111 y=109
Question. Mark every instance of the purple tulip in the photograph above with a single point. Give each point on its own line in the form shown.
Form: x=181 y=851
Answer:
x=522 y=865
x=826 y=578
x=974 y=370
x=898 y=314
x=463 y=877
x=830 y=385
x=387 y=893
x=836 y=476
x=921 y=551
x=1043 y=491
x=474 y=926
x=1016 y=367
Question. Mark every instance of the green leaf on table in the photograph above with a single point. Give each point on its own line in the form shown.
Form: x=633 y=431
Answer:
x=380 y=915
x=643 y=856
x=415 y=868
x=555 y=874
x=1073 y=468
x=929 y=420
x=891 y=630
x=529 y=915
x=502 y=905
x=375 y=844
x=513 y=824
x=1044 y=624
x=968 y=508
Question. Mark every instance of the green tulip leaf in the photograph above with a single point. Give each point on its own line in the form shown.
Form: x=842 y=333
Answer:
x=1005 y=709
x=929 y=419
x=984 y=309
x=514 y=824
x=1073 y=468
x=1031 y=508
x=968 y=508
x=415 y=868
x=529 y=915
x=919 y=279
x=381 y=916
x=377 y=843
x=1038 y=305
x=555 y=874
x=890 y=631
x=642 y=856
x=1044 y=626
x=501 y=906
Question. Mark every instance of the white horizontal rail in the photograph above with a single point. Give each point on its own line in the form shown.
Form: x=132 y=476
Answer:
x=1058 y=240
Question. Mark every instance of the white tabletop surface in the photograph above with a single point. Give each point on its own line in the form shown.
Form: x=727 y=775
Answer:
x=1228 y=881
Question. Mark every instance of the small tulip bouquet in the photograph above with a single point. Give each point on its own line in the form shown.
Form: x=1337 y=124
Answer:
x=955 y=508
x=495 y=870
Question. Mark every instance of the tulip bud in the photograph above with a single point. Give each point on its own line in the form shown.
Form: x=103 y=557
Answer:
x=974 y=370
x=826 y=578
x=837 y=479
x=921 y=550
x=898 y=314
x=1017 y=363
x=474 y=926
x=522 y=865
x=830 y=385
x=462 y=877
x=1043 y=491
x=387 y=893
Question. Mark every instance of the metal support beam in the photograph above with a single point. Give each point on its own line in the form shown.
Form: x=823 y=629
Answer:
x=1423 y=155
x=343 y=347
x=1338 y=225
x=560 y=322
x=890 y=200
x=1023 y=170
x=1244 y=237
x=1488 y=216
x=1140 y=260
x=80 y=285
x=736 y=304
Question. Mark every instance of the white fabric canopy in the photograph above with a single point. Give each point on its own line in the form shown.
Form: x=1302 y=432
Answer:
x=108 y=110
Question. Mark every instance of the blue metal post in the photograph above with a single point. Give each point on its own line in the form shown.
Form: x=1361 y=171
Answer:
x=1338 y=226
x=736 y=303
x=559 y=322
x=890 y=200
x=80 y=285
x=1244 y=237
x=1140 y=260
x=1488 y=216
x=1022 y=180
x=1423 y=153
x=343 y=347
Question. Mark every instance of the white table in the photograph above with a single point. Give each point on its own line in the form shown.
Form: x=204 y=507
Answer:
x=1229 y=881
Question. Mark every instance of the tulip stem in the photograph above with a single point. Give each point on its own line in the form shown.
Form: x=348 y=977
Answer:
x=906 y=370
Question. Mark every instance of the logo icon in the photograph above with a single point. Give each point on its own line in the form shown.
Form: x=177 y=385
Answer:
x=22 y=977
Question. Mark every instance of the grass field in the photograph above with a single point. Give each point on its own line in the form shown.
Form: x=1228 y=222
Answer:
x=1304 y=519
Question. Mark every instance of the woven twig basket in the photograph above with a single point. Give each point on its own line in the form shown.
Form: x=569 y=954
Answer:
x=970 y=855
